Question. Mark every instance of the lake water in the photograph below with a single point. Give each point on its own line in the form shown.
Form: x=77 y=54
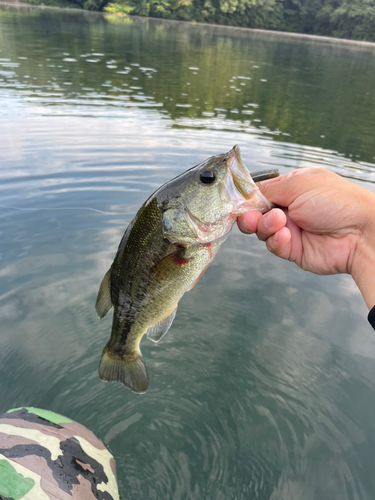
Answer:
x=264 y=388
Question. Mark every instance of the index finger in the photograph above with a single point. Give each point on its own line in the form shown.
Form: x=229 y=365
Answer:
x=285 y=189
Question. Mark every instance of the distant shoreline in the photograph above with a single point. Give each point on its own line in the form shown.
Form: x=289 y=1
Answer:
x=276 y=34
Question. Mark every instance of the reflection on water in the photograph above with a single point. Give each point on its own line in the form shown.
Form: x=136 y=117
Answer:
x=264 y=387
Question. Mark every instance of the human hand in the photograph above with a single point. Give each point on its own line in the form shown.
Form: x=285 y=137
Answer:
x=326 y=227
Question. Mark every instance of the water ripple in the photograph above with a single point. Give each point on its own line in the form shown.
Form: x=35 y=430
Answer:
x=263 y=388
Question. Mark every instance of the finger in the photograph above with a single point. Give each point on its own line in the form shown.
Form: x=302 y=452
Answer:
x=270 y=181
x=270 y=223
x=295 y=251
x=280 y=243
x=285 y=189
x=248 y=222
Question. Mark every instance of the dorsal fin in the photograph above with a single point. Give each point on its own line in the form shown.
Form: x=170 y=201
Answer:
x=103 y=300
x=157 y=332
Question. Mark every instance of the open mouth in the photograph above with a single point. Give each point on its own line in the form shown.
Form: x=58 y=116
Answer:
x=242 y=191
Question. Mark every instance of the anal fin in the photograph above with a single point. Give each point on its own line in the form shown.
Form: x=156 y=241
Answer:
x=103 y=300
x=157 y=332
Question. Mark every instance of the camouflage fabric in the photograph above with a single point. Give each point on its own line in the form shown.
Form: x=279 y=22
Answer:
x=45 y=456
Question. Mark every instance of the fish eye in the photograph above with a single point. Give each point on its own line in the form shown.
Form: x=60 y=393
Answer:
x=207 y=177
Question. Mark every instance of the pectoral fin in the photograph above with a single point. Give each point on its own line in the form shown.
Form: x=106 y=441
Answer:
x=103 y=300
x=157 y=332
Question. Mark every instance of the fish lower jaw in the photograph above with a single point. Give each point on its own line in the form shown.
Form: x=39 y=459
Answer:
x=217 y=231
x=256 y=202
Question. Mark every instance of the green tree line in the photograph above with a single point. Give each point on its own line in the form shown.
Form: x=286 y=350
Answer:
x=353 y=19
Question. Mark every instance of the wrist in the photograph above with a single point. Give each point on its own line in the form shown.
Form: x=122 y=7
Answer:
x=363 y=266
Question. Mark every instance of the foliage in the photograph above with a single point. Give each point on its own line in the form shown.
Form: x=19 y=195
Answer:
x=115 y=8
x=353 y=19
x=89 y=4
x=341 y=18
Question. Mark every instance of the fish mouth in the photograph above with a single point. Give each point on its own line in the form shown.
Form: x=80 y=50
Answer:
x=240 y=188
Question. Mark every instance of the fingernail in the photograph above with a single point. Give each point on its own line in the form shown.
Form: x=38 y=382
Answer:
x=267 y=220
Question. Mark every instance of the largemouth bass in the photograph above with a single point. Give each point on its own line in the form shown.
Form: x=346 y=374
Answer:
x=164 y=252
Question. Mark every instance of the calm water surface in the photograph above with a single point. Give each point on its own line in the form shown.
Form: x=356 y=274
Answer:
x=264 y=388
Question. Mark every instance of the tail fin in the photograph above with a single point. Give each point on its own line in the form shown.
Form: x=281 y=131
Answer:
x=130 y=370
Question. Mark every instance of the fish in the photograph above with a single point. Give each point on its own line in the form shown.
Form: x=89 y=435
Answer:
x=165 y=250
